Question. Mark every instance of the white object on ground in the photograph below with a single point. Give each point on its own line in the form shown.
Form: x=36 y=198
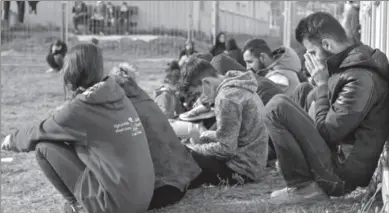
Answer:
x=184 y=129
x=6 y=160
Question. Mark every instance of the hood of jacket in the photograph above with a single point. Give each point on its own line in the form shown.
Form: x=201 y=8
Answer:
x=224 y=63
x=245 y=80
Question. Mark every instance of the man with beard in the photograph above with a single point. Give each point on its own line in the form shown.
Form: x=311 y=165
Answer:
x=352 y=107
x=280 y=66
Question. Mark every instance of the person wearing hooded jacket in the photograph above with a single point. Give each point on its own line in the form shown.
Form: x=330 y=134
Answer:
x=94 y=149
x=220 y=44
x=174 y=166
x=234 y=51
x=351 y=108
x=281 y=65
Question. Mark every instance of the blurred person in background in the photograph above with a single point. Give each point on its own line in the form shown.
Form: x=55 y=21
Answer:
x=98 y=18
x=56 y=55
x=233 y=51
x=124 y=18
x=186 y=53
x=80 y=14
x=220 y=44
x=111 y=16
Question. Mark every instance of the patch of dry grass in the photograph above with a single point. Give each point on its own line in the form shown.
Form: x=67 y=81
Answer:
x=28 y=94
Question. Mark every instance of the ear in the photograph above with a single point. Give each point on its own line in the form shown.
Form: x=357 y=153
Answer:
x=326 y=44
x=263 y=57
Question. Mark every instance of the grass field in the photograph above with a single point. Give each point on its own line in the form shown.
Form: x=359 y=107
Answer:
x=29 y=94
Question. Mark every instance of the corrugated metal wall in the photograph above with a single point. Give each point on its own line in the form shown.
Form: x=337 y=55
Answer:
x=374 y=22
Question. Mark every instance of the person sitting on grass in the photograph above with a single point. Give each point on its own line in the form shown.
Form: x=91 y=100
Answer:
x=186 y=53
x=351 y=108
x=166 y=96
x=174 y=166
x=239 y=145
x=93 y=150
x=56 y=55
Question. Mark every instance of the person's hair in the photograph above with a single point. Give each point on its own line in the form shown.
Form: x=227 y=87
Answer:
x=256 y=47
x=318 y=26
x=194 y=71
x=173 y=73
x=83 y=66
x=206 y=56
x=95 y=41
x=231 y=44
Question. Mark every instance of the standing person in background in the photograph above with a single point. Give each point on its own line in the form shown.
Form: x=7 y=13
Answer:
x=350 y=21
x=220 y=45
x=186 y=53
x=98 y=18
x=124 y=18
x=111 y=16
x=234 y=51
x=80 y=14
x=56 y=55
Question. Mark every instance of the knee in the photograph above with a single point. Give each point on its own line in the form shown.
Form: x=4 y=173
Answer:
x=42 y=149
x=278 y=101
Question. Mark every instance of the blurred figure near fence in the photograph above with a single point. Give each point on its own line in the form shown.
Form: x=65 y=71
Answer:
x=124 y=18
x=56 y=55
x=111 y=15
x=97 y=24
x=220 y=44
x=350 y=21
x=186 y=53
x=281 y=66
x=234 y=51
x=80 y=14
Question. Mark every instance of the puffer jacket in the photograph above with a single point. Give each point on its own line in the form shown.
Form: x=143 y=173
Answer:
x=353 y=108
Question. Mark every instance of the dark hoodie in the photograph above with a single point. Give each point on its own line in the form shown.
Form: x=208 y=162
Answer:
x=353 y=108
x=109 y=139
x=266 y=88
x=218 y=48
x=173 y=164
x=224 y=63
x=206 y=56
x=234 y=52
x=241 y=138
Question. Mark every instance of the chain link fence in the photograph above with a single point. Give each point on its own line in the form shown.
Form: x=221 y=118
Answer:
x=144 y=29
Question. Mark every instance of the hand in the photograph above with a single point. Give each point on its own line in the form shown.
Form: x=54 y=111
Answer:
x=7 y=144
x=317 y=70
x=208 y=135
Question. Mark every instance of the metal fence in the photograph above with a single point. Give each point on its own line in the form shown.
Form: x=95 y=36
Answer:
x=167 y=23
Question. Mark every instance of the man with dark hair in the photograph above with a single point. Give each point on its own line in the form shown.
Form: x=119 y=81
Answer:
x=281 y=66
x=352 y=107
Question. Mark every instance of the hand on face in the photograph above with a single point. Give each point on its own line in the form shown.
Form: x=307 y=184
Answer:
x=317 y=70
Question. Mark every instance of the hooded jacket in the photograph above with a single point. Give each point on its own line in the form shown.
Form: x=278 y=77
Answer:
x=284 y=70
x=241 y=137
x=224 y=63
x=266 y=88
x=109 y=139
x=173 y=164
x=353 y=108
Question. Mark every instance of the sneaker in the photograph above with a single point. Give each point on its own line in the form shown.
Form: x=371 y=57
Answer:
x=73 y=208
x=309 y=193
x=198 y=113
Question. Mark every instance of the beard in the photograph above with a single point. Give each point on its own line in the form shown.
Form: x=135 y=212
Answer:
x=326 y=55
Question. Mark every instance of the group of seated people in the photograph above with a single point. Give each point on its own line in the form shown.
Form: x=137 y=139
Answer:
x=103 y=18
x=112 y=148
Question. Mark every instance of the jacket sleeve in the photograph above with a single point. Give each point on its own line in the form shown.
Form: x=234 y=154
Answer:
x=166 y=103
x=352 y=103
x=228 y=118
x=60 y=127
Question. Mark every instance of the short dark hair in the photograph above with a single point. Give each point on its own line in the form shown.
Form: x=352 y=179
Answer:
x=173 y=73
x=318 y=26
x=195 y=70
x=83 y=66
x=257 y=46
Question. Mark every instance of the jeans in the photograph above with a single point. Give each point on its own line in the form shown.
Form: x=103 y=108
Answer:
x=302 y=153
x=21 y=10
x=61 y=165
x=214 y=172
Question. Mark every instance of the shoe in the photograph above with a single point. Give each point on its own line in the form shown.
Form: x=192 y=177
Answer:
x=73 y=208
x=198 y=113
x=309 y=193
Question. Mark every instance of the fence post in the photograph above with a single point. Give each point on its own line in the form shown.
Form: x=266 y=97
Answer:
x=287 y=23
x=215 y=20
x=190 y=20
x=64 y=25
